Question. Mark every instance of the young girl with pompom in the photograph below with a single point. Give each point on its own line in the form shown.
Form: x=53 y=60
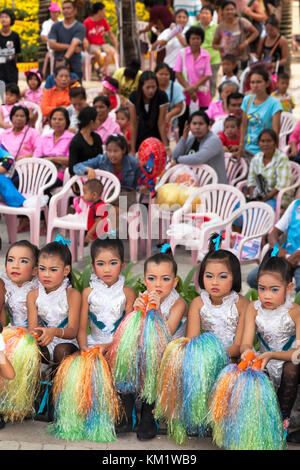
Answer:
x=55 y=303
x=276 y=321
x=220 y=308
x=160 y=271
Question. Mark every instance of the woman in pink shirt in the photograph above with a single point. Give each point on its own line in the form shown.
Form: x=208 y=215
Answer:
x=107 y=125
x=55 y=146
x=218 y=109
x=20 y=139
x=193 y=70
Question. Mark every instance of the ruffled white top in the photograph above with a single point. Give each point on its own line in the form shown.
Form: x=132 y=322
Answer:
x=221 y=320
x=276 y=328
x=53 y=310
x=106 y=309
x=15 y=300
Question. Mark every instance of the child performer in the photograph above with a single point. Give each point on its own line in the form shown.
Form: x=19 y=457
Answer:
x=19 y=279
x=276 y=320
x=107 y=300
x=220 y=308
x=160 y=272
x=55 y=303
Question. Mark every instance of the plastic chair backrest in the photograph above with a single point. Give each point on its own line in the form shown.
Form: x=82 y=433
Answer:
x=236 y=171
x=36 y=108
x=295 y=168
x=111 y=185
x=219 y=199
x=34 y=174
x=258 y=218
x=287 y=125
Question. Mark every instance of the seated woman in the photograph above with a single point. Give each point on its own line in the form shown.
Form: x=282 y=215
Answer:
x=86 y=144
x=172 y=88
x=274 y=167
x=55 y=146
x=116 y=160
x=59 y=94
x=201 y=147
x=218 y=109
x=20 y=139
x=106 y=125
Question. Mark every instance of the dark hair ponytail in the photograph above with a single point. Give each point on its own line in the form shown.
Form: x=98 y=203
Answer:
x=276 y=265
x=222 y=256
x=165 y=256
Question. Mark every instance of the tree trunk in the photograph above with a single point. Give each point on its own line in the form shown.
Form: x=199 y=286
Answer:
x=129 y=39
x=286 y=28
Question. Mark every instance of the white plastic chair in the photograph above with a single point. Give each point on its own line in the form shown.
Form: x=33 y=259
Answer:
x=287 y=125
x=237 y=171
x=36 y=108
x=204 y=174
x=35 y=175
x=218 y=201
x=78 y=222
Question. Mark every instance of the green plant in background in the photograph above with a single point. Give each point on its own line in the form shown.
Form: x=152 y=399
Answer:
x=252 y=295
x=185 y=288
x=82 y=279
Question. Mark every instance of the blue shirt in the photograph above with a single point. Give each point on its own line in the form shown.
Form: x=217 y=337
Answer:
x=131 y=171
x=259 y=118
x=176 y=96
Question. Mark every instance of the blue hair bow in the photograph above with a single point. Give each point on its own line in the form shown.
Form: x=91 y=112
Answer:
x=112 y=233
x=165 y=247
x=275 y=250
x=62 y=240
x=217 y=241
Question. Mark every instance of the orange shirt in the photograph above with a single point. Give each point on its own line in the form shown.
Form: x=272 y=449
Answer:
x=52 y=98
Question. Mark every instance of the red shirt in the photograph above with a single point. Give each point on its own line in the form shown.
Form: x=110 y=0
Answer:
x=95 y=30
x=92 y=216
x=227 y=142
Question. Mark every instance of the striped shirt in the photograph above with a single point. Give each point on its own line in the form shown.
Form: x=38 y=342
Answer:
x=277 y=174
x=193 y=7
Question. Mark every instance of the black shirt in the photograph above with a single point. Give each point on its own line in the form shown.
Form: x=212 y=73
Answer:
x=148 y=127
x=9 y=47
x=81 y=151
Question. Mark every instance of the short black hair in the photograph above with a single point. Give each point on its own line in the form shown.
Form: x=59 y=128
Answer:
x=283 y=76
x=94 y=185
x=231 y=117
x=114 y=244
x=18 y=108
x=12 y=88
x=112 y=81
x=273 y=21
x=10 y=13
x=86 y=115
x=162 y=66
x=77 y=91
x=271 y=133
x=234 y=96
x=60 y=250
x=25 y=243
x=199 y=113
x=209 y=8
x=181 y=10
x=125 y=111
x=132 y=69
x=61 y=67
x=223 y=256
x=195 y=30
x=32 y=74
x=227 y=2
x=120 y=140
x=62 y=110
x=104 y=99
x=276 y=264
x=97 y=7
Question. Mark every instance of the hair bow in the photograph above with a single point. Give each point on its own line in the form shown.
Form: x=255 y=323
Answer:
x=275 y=250
x=165 y=247
x=62 y=240
x=112 y=233
x=217 y=240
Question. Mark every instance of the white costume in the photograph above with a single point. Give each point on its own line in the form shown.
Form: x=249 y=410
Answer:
x=221 y=320
x=15 y=300
x=276 y=332
x=106 y=309
x=53 y=311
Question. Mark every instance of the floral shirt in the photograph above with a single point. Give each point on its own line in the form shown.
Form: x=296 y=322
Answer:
x=286 y=100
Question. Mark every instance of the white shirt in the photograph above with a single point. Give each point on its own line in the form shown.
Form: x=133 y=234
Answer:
x=172 y=47
x=46 y=28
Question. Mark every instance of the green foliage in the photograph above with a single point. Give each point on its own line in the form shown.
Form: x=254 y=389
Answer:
x=297 y=298
x=252 y=295
x=82 y=279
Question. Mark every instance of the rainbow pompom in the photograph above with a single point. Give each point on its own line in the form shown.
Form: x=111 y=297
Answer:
x=136 y=352
x=187 y=374
x=17 y=396
x=244 y=411
x=87 y=406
